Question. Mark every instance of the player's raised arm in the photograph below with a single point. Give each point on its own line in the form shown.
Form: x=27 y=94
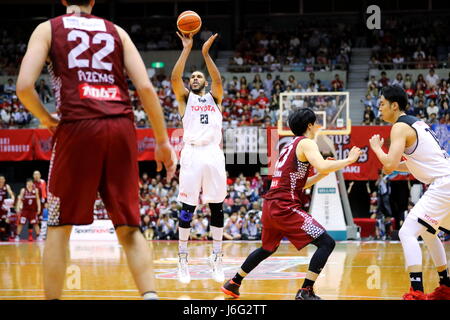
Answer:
x=30 y=70
x=176 y=78
x=391 y=160
x=216 y=85
x=310 y=150
x=137 y=72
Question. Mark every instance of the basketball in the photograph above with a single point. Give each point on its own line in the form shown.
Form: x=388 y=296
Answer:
x=189 y=22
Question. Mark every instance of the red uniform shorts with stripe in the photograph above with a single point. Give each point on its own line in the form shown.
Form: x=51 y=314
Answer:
x=89 y=156
x=286 y=219
x=30 y=216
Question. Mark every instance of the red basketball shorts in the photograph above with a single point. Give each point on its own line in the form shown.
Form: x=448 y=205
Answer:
x=286 y=219
x=89 y=156
x=30 y=216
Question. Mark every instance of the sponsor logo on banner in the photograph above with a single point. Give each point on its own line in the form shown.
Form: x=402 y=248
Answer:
x=6 y=146
x=146 y=143
x=98 y=230
x=99 y=92
x=327 y=190
x=46 y=144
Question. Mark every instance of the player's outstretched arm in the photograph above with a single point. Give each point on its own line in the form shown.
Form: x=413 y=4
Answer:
x=216 y=85
x=391 y=160
x=315 y=178
x=30 y=70
x=176 y=78
x=401 y=167
x=310 y=150
x=137 y=72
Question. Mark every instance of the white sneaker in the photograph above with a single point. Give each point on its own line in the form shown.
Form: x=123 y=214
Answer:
x=215 y=262
x=183 y=268
x=17 y=238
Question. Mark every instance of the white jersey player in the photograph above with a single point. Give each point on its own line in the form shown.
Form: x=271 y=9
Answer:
x=429 y=163
x=202 y=160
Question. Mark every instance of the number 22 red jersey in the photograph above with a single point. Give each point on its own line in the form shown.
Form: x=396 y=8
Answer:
x=87 y=68
x=290 y=175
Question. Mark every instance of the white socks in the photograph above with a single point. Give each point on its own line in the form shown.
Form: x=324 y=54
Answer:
x=217 y=235
x=183 y=236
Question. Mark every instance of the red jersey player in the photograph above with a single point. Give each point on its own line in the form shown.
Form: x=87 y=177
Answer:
x=41 y=185
x=95 y=146
x=5 y=190
x=283 y=215
x=29 y=206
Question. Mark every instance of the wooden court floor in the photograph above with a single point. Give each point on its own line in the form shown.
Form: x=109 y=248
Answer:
x=98 y=270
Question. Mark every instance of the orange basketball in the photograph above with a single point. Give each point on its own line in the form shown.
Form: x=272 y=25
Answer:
x=189 y=22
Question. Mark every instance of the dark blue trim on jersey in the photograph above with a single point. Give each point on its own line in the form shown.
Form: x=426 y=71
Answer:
x=410 y=120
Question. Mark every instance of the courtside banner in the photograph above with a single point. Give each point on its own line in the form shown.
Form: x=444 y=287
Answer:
x=146 y=142
x=368 y=165
x=42 y=144
x=16 y=145
x=98 y=230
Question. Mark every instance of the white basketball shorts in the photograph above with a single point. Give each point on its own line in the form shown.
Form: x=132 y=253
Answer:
x=202 y=169
x=434 y=205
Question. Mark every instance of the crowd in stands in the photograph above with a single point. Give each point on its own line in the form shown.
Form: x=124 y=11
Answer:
x=308 y=49
x=160 y=209
x=246 y=102
x=403 y=44
x=428 y=97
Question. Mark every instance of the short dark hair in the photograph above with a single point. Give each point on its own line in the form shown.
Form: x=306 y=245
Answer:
x=395 y=93
x=299 y=120
x=78 y=2
x=29 y=180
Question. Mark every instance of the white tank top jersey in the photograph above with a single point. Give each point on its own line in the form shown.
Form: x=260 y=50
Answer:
x=202 y=120
x=426 y=159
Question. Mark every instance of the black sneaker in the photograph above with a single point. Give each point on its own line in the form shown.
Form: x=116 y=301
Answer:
x=306 y=294
x=231 y=288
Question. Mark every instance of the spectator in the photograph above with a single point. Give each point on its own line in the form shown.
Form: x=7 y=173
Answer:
x=337 y=83
x=9 y=88
x=232 y=227
x=44 y=91
x=166 y=228
x=420 y=110
x=432 y=78
x=384 y=80
x=147 y=228
x=432 y=108
x=200 y=225
x=398 y=80
x=368 y=116
x=251 y=229
x=384 y=205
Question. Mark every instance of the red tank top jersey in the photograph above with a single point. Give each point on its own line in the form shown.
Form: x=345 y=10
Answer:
x=87 y=68
x=29 y=201
x=290 y=175
x=3 y=195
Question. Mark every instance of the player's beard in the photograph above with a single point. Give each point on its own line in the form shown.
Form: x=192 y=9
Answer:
x=197 y=91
